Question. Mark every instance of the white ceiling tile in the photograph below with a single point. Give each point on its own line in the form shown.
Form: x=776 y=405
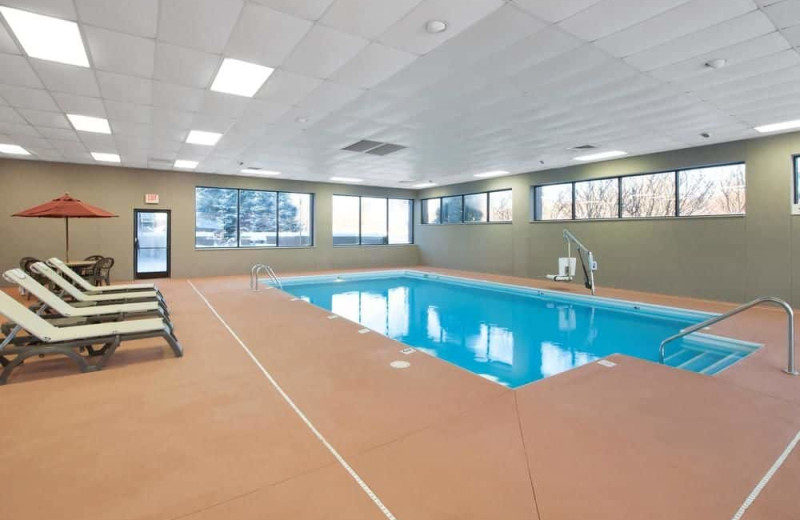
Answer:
x=17 y=71
x=119 y=52
x=373 y=65
x=178 y=97
x=23 y=97
x=366 y=18
x=15 y=130
x=223 y=105
x=265 y=36
x=119 y=87
x=130 y=129
x=9 y=115
x=167 y=118
x=200 y=24
x=785 y=14
x=185 y=66
x=329 y=96
x=58 y=8
x=309 y=9
x=7 y=44
x=792 y=34
x=554 y=10
x=138 y=17
x=610 y=16
x=97 y=142
x=124 y=111
x=323 y=51
x=58 y=77
x=409 y=34
x=689 y=17
x=287 y=87
x=68 y=146
x=703 y=41
x=72 y=104
x=40 y=118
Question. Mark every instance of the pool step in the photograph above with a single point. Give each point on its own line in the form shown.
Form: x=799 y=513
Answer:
x=703 y=361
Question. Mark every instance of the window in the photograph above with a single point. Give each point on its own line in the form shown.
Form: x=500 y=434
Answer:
x=718 y=190
x=500 y=206
x=796 y=179
x=649 y=195
x=597 y=199
x=371 y=221
x=553 y=202
x=431 y=211
x=492 y=206
x=703 y=191
x=475 y=207
x=452 y=209
x=346 y=220
x=226 y=217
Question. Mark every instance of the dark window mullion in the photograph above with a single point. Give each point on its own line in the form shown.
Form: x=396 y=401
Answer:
x=677 y=194
x=573 y=202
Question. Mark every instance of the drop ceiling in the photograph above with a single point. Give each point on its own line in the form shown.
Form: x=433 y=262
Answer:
x=510 y=85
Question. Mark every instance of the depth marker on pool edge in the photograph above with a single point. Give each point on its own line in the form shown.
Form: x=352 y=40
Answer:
x=363 y=485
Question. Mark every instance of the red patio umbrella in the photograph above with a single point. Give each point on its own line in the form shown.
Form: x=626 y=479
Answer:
x=65 y=207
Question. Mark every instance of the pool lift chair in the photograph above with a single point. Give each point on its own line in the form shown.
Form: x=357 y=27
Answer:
x=567 y=265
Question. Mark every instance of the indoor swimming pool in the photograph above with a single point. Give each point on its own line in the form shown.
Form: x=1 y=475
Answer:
x=510 y=334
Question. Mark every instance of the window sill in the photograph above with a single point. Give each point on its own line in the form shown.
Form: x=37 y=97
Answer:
x=635 y=219
x=258 y=248
x=469 y=223
x=344 y=246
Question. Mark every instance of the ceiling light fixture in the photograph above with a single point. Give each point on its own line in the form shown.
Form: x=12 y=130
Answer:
x=422 y=185
x=182 y=163
x=203 y=138
x=257 y=171
x=346 y=179
x=47 y=38
x=436 y=26
x=240 y=78
x=97 y=125
x=601 y=156
x=486 y=175
x=717 y=63
x=13 y=149
x=106 y=157
x=777 y=127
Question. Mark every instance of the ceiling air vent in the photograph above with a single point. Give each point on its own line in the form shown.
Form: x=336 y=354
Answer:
x=373 y=147
x=584 y=147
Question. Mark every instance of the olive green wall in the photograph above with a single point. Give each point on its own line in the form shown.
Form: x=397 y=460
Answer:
x=729 y=258
x=120 y=190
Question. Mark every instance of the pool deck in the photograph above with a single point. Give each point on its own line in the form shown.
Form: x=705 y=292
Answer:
x=209 y=436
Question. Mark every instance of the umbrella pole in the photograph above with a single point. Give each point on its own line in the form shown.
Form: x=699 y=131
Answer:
x=66 y=225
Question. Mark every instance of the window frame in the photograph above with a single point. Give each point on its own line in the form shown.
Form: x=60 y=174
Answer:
x=238 y=246
x=463 y=209
x=388 y=219
x=619 y=217
x=796 y=183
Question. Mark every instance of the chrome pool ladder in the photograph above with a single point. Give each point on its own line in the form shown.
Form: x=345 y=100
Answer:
x=790 y=368
x=256 y=270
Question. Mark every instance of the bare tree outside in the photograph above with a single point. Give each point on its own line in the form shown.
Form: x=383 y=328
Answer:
x=597 y=199
x=554 y=202
x=500 y=206
x=649 y=195
x=719 y=190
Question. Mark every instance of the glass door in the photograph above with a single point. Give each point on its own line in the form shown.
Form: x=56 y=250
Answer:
x=151 y=243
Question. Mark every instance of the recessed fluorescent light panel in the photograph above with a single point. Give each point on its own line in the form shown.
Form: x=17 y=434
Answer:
x=13 y=149
x=47 y=38
x=601 y=156
x=777 y=127
x=496 y=173
x=189 y=165
x=424 y=185
x=105 y=157
x=346 y=179
x=256 y=171
x=203 y=138
x=98 y=125
x=240 y=78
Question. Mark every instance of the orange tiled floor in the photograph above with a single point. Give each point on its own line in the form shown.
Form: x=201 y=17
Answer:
x=208 y=437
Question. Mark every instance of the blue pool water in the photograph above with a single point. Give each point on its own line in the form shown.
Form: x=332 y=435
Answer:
x=513 y=335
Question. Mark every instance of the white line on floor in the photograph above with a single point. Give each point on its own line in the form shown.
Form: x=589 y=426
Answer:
x=763 y=482
x=364 y=487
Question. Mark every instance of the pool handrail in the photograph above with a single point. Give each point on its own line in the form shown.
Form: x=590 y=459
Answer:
x=790 y=368
x=254 y=272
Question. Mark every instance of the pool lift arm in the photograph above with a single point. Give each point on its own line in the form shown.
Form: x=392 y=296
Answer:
x=588 y=262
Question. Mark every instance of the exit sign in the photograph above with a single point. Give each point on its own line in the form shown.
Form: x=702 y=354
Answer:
x=151 y=198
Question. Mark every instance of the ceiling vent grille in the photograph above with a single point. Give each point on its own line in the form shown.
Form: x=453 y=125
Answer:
x=373 y=147
x=584 y=147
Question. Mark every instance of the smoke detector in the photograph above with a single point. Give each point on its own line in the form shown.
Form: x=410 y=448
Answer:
x=436 y=26
x=717 y=63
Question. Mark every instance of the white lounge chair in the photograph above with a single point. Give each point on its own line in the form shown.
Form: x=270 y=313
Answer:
x=45 y=338
x=566 y=270
x=62 y=308
x=88 y=288
x=78 y=295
